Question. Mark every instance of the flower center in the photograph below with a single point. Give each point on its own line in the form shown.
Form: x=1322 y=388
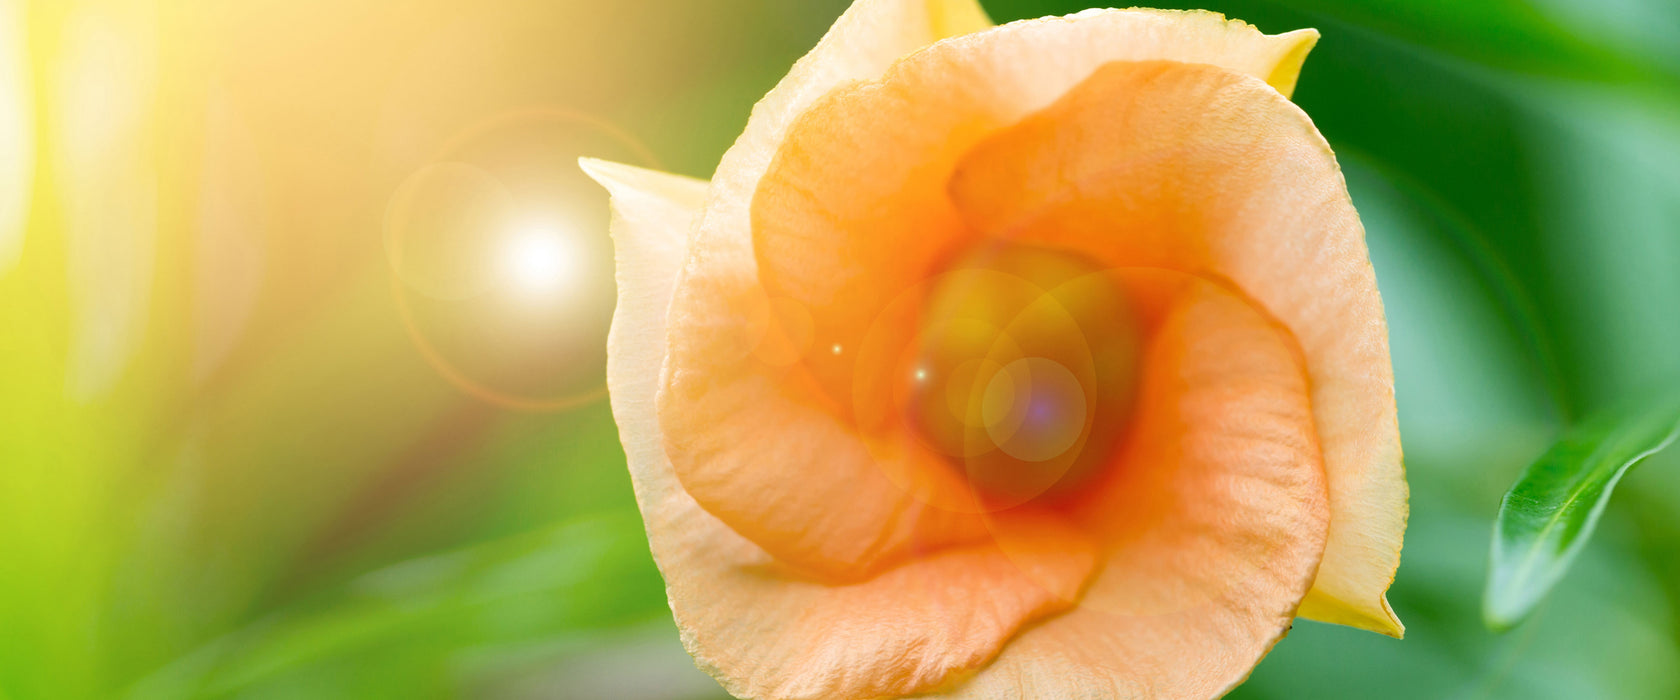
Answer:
x=1026 y=362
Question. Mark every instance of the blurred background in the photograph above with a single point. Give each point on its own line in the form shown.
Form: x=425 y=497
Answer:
x=303 y=302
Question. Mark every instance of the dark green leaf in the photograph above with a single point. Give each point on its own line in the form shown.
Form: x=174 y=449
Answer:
x=1548 y=515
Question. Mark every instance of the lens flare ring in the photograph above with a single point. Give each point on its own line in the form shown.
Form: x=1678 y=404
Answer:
x=539 y=261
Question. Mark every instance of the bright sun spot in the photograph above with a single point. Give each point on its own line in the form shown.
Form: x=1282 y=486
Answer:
x=542 y=260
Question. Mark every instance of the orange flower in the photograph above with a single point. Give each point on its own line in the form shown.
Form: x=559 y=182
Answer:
x=1041 y=360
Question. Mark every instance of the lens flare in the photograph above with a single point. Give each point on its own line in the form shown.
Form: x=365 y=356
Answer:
x=1034 y=409
x=1032 y=356
x=499 y=269
x=542 y=262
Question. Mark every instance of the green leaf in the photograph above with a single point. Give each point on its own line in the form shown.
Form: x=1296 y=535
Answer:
x=1550 y=513
x=412 y=629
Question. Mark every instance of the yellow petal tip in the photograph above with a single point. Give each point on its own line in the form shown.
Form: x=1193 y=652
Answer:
x=948 y=18
x=1380 y=618
x=1288 y=70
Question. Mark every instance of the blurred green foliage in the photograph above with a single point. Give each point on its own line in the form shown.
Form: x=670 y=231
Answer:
x=334 y=521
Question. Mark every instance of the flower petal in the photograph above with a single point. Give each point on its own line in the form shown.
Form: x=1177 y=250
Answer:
x=653 y=214
x=884 y=222
x=863 y=42
x=912 y=629
x=775 y=491
x=760 y=630
x=819 y=479
x=956 y=17
x=1214 y=521
x=1198 y=169
x=855 y=209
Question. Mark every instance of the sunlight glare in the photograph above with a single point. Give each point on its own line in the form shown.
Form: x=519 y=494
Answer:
x=541 y=261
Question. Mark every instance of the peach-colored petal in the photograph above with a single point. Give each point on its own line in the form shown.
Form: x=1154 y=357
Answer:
x=763 y=631
x=720 y=314
x=804 y=559
x=1214 y=522
x=881 y=223
x=1215 y=173
x=912 y=629
x=863 y=42
x=783 y=470
x=820 y=497
x=854 y=209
